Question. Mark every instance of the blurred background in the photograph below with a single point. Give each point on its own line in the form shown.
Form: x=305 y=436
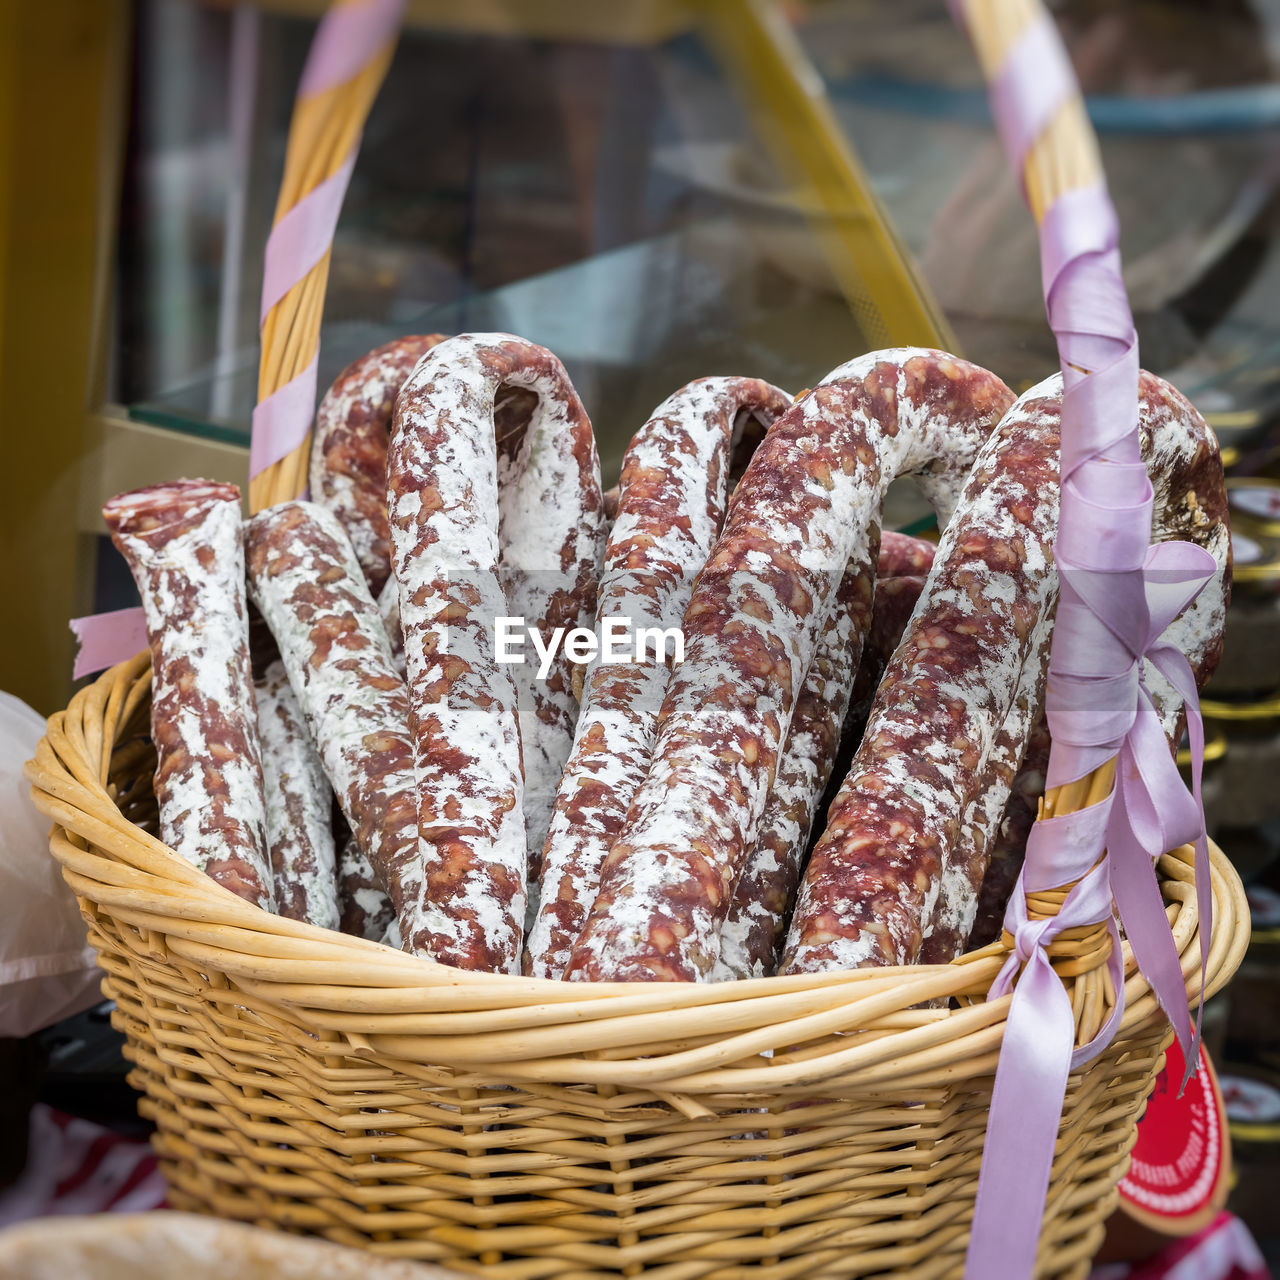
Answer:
x=656 y=190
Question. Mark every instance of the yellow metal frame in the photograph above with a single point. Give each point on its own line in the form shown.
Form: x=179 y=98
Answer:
x=66 y=449
x=789 y=105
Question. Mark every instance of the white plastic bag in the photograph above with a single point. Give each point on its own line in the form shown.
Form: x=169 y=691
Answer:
x=47 y=969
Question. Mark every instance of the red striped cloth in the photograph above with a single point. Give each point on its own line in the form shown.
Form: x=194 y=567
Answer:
x=1224 y=1250
x=76 y=1166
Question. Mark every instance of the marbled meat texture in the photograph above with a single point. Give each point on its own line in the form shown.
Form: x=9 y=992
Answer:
x=306 y=581
x=477 y=535
x=670 y=506
x=807 y=508
x=183 y=544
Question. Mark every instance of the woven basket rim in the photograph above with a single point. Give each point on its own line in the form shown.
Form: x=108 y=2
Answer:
x=677 y=1037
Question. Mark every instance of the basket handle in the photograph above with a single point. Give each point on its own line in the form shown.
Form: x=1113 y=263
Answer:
x=1042 y=120
x=345 y=67
x=1088 y=844
x=1060 y=155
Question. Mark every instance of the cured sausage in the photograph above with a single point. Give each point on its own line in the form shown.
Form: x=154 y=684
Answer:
x=299 y=805
x=389 y=611
x=183 y=545
x=1190 y=503
x=806 y=509
x=875 y=876
x=349 y=448
x=307 y=583
x=670 y=505
x=907 y=845
x=1009 y=842
x=365 y=911
x=450 y=493
x=902 y=555
x=755 y=926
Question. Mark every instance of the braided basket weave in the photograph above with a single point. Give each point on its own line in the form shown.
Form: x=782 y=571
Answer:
x=806 y=1126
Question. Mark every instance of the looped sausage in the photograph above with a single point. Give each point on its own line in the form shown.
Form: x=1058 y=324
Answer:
x=450 y=493
x=670 y=506
x=183 y=545
x=807 y=507
x=896 y=875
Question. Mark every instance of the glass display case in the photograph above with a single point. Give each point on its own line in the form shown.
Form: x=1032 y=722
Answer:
x=654 y=190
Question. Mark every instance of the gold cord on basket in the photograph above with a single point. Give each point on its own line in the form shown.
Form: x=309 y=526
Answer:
x=324 y=129
x=1063 y=157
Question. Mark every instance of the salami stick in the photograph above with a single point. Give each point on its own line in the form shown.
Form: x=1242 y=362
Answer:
x=365 y=910
x=1008 y=844
x=807 y=507
x=670 y=506
x=307 y=583
x=349 y=448
x=902 y=555
x=755 y=927
x=299 y=806
x=183 y=544
x=905 y=851
x=449 y=493
x=1190 y=503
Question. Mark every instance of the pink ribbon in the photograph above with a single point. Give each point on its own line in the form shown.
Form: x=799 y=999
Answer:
x=1037 y=55
x=282 y=420
x=346 y=41
x=1118 y=594
x=108 y=638
x=303 y=236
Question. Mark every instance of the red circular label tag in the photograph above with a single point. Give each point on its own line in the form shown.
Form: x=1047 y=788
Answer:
x=1179 y=1159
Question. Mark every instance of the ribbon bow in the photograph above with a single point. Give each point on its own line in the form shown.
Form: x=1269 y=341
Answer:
x=1100 y=711
x=1121 y=621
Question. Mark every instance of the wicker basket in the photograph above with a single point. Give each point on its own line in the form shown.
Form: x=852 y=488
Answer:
x=525 y=1128
x=160 y=1246
x=808 y=1126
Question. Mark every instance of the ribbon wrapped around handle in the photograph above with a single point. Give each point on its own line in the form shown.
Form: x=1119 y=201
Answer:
x=1118 y=594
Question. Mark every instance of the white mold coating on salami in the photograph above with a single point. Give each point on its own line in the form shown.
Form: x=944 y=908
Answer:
x=184 y=547
x=308 y=586
x=897 y=874
x=450 y=492
x=348 y=469
x=876 y=876
x=807 y=507
x=299 y=806
x=365 y=911
x=670 y=507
